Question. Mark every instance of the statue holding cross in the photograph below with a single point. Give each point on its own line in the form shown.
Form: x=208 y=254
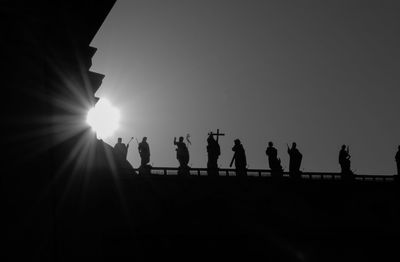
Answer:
x=213 y=151
x=218 y=134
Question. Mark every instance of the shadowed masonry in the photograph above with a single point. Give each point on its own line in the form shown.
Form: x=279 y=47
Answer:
x=321 y=217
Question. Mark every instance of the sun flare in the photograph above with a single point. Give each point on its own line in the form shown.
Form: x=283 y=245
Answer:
x=103 y=118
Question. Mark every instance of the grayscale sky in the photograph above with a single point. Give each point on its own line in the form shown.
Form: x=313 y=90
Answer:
x=320 y=73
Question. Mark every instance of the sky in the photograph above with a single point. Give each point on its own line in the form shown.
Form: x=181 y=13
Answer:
x=318 y=73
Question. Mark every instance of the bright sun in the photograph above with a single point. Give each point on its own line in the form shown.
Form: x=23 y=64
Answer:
x=103 y=118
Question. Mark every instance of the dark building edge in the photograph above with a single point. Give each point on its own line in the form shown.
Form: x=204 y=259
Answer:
x=45 y=58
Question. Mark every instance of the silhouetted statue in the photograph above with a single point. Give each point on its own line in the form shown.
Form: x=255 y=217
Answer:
x=120 y=150
x=398 y=160
x=273 y=160
x=239 y=157
x=344 y=161
x=182 y=154
x=144 y=152
x=295 y=161
x=213 y=151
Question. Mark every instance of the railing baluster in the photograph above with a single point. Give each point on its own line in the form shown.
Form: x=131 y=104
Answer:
x=267 y=172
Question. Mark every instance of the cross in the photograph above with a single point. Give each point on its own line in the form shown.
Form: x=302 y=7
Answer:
x=218 y=134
